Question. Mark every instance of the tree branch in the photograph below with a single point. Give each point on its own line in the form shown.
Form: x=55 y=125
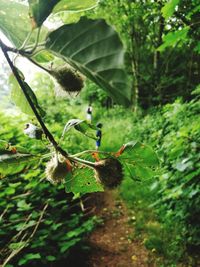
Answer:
x=21 y=83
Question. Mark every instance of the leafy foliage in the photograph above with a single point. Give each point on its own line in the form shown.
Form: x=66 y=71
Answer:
x=174 y=196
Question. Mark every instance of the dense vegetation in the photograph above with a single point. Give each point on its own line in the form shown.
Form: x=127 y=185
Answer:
x=41 y=222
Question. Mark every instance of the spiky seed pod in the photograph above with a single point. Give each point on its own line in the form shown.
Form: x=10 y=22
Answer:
x=69 y=79
x=109 y=172
x=57 y=169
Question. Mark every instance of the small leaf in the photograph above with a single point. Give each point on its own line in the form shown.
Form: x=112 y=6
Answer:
x=172 y=38
x=66 y=245
x=28 y=257
x=169 y=8
x=82 y=126
x=51 y=258
x=17 y=245
x=95 y=49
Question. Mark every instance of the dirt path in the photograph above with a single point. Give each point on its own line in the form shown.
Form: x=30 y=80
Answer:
x=113 y=243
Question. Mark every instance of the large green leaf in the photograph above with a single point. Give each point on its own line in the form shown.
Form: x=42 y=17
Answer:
x=140 y=153
x=169 y=8
x=82 y=181
x=14 y=163
x=20 y=100
x=94 y=48
x=14 y=21
x=139 y=159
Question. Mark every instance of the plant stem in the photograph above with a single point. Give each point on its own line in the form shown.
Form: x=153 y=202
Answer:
x=82 y=161
x=21 y=83
x=91 y=151
x=26 y=40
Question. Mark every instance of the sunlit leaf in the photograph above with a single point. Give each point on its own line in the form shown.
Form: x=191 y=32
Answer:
x=75 y=5
x=94 y=48
x=172 y=38
x=12 y=22
x=15 y=22
x=43 y=57
x=169 y=8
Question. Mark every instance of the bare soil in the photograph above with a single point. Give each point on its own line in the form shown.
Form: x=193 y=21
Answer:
x=112 y=243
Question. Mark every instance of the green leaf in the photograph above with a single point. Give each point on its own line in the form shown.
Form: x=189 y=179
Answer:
x=66 y=245
x=51 y=258
x=41 y=9
x=17 y=245
x=28 y=257
x=169 y=8
x=138 y=159
x=22 y=205
x=43 y=57
x=140 y=153
x=94 y=48
x=20 y=100
x=9 y=191
x=172 y=38
x=14 y=21
x=75 y=5
x=14 y=163
x=82 y=181
x=82 y=126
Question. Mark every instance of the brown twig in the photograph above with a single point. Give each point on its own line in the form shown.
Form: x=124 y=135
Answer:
x=15 y=252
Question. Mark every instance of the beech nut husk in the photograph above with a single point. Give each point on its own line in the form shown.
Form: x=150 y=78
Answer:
x=109 y=172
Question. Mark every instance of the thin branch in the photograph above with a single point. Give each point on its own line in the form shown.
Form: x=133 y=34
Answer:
x=82 y=161
x=26 y=40
x=36 y=42
x=91 y=151
x=15 y=252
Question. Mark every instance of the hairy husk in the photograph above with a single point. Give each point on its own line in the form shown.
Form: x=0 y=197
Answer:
x=56 y=170
x=109 y=172
x=69 y=79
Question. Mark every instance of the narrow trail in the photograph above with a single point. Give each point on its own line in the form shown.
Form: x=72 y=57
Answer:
x=112 y=243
